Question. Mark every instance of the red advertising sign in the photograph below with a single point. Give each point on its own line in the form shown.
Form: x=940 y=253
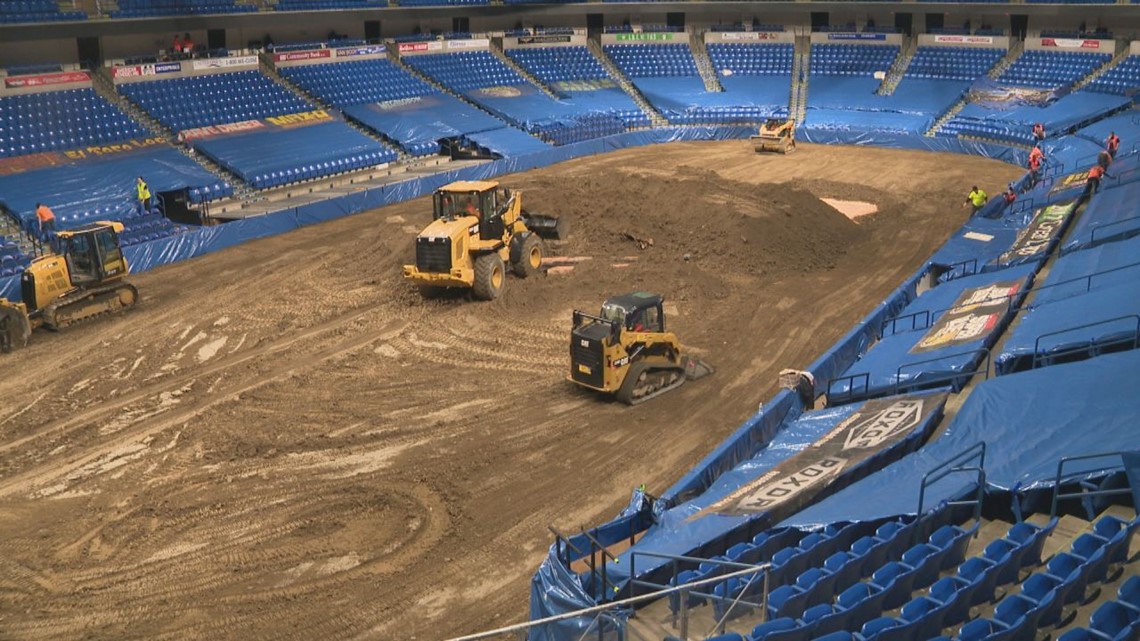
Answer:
x=973 y=40
x=413 y=47
x=312 y=54
x=1070 y=43
x=47 y=79
x=217 y=130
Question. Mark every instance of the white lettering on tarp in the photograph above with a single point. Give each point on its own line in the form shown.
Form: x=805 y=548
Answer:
x=876 y=429
x=785 y=488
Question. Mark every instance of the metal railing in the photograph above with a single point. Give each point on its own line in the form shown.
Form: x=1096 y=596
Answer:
x=1088 y=346
x=959 y=463
x=1086 y=491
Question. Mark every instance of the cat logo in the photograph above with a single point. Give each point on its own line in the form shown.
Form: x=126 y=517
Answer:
x=473 y=230
x=872 y=431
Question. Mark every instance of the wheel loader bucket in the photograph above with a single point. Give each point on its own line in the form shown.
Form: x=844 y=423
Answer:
x=696 y=368
x=15 y=327
x=547 y=227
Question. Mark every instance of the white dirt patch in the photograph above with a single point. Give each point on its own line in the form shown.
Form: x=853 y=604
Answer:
x=175 y=550
x=387 y=351
x=395 y=220
x=853 y=209
x=222 y=322
x=207 y=351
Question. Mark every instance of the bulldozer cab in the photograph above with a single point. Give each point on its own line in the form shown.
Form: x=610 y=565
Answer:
x=92 y=253
x=637 y=312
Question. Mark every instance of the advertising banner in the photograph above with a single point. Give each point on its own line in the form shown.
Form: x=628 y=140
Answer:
x=311 y=54
x=798 y=480
x=534 y=40
x=217 y=130
x=1070 y=43
x=856 y=36
x=348 y=52
x=46 y=79
x=1069 y=182
x=972 y=40
x=474 y=43
x=1036 y=237
x=225 y=63
x=136 y=71
x=976 y=312
x=747 y=36
x=643 y=37
x=289 y=121
x=116 y=148
x=417 y=47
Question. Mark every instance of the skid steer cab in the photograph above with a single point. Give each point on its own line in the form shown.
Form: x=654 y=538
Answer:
x=626 y=351
x=478 y=229
x=776 y=135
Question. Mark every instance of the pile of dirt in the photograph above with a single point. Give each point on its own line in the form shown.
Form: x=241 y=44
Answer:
x=722 y=224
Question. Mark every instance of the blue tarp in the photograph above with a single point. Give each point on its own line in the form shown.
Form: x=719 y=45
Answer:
x=772 y=90
x=912 y=96
x=1066 y=112
x=939 y=338
x=1074 y=409
x=996 y=95
x=1111 y=214
x=105 y=185
x=1105 y=266
x=509 y=142
x=424 y=119
x=895 y=140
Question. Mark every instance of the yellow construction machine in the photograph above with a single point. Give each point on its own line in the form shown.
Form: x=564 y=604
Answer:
x=626 y=351
x=776 y=134
x=478 y=229
x=86 y=278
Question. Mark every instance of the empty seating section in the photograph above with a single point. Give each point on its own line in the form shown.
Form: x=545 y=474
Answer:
x=466 y=70
x=440 y=3
x=13 y=260
x=197 y=101
x=357 y=82
x=61 y=120
x=321 y=5
x=559 y=64
x=851 y=60
x=752 y=59
x=150 y=8
x=21 y=11
x=1122 y=79
x=1052 y=69
x=653 y=60
x=952 y=63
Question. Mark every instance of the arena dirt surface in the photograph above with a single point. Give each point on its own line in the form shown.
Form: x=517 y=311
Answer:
x=285 y=441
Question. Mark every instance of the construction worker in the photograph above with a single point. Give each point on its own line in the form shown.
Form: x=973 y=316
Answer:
x=977 y=199
x=1112 y=144
x=1092 y=184
x=46 y=217
x=1009 y=196
x=1103 y=158
x=143 y=195
x=1038 y=132
x=470 y=208
x=1035 y=168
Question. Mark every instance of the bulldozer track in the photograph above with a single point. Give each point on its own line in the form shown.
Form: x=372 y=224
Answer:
x=111 y=304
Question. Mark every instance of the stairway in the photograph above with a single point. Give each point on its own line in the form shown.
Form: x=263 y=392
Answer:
x=1015 y=48
x=704 y=62
x=1122 y=52
x=946 y=116
x=655 y=117
x=10 y=228
x=899 y=66
x=497 y=51
x=801 y=68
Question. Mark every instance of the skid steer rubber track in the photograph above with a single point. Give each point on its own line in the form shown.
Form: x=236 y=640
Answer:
x=645 y=382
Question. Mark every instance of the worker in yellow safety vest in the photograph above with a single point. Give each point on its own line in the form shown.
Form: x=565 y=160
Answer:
x=143 y=196
x=977 y=199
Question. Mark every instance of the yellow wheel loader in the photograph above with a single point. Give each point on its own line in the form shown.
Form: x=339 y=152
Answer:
x=625 y=350
x=86 y=278
x=479 y=229
x=776 y=134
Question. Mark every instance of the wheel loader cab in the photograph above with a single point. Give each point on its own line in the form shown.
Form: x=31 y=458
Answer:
x=487 y=205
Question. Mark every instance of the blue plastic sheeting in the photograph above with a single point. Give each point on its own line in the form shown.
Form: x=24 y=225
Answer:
x=871 y=122
x=605 y=99
x=265 y=153
x=102 y=188
x=10 y=288
x=917 y=97
x=679 y=94
x=773 y=90
x=1099 y=267
x=920 y=95
x=424 y=119
x=939 y=339
x=1111 y=214
x=1028 y=421
x=1126 y=125
x=1066 y=112
x=509 y=142
x=520 y=104
x=712 y=515
x=990 y=244
x=1003 y=96
x=894 y=140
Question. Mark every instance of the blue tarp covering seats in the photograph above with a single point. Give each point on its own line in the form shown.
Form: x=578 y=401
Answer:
x=755 y=75
x=1111 y=214
x=272 y=158
x=1088 y=304
x=60 y=120
x=851 y=60
x=508 y=141
x=1077 y=408
x=1016 y=124
x=101 y=188
x=1121 y=79
x=988 y=244
x=939 y=339
x=417 y=124
x=197 y=101
x=575 y=73
x=356 y=82
x=1037 y=68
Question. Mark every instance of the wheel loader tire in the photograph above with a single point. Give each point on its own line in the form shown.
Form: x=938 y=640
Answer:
x=490 y=275
x=526 y=257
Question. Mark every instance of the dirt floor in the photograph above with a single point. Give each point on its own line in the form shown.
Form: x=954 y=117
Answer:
x=285 y=441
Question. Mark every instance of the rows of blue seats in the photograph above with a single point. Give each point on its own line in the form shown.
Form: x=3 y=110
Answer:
x=952 y=63
x=1118 y=619
x=587 y=127
x=196 y=101
x=1016 y=133
x=205 y=193
x=61 y=120
x=56 y=16
x=752 y=59
x=12 y=259
x=437 y=3
x=148 y=227
x=1050 y=68
x=322 y=44
x=559 y=64
x=1121 y=79
x=842 y=60
x=356 y=82
x=718 y=115
x=320 y=5
x=309 y=171
x=466 y=70
x=150 y=8
x=653 y=60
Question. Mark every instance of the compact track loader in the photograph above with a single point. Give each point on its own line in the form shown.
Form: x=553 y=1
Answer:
x=86 y=278
x=625 y=350
x=776 y=134
x=478 y=229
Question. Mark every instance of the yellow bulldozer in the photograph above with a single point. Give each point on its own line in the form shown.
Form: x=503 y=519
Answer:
x=85 y=278
x=478 y=229
x=625 y=350
x=776 y=134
